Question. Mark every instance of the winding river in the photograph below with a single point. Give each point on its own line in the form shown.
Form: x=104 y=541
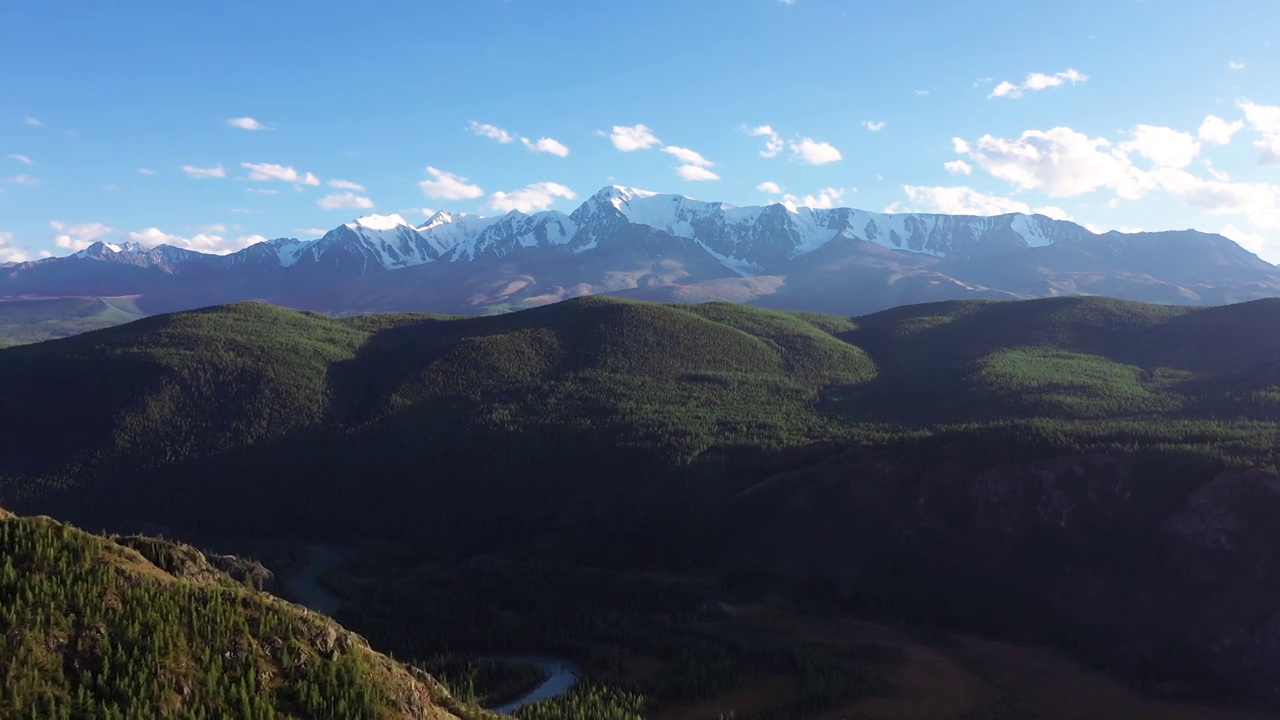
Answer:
x=304 y=588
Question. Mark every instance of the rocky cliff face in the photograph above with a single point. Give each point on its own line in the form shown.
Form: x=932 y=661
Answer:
x=1171 y=581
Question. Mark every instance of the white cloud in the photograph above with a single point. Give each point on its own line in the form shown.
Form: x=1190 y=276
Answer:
x=242 y=211
x=205 y=243
x=344 y=201
x=769 y=186
x=873 y=125
x=267 y=172
x=19 y=180
x=31 y=121
x=20 y=158
x=245 y=123
x=1236 y=64
x=10 y=252
x=1263 y=118
x=1216 y=131
x=213 y=228
x=1214 y=172
x=1268 y=149
x=530 y=198
x=493 y=132
x=634 y=137
x=1061 y=162
x=685 y=155
x=146 y=171
x=345 y=185
x=310 y=232
x=546 y=145
x=959 y=200
x=77 y=237
x=922 y=92
x=958 y=167
x=815 y=153
x=696 y=173
x=1163 y=146
x=1037 y=81
x=447 y=186
x=824 y=200
x=1258 y=201
x=427 y=212
x=1251 y=241
x=262 y=191
x=216 y=171
x=773 y=142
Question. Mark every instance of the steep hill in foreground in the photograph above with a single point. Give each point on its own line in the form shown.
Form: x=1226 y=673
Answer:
x=96 y=628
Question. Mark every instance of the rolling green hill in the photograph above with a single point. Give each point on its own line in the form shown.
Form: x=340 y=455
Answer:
x=986 y=464
x=27 y=321
x=100 y=627
x=589 y=411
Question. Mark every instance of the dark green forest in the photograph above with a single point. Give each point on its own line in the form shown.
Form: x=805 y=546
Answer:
x=836 y=460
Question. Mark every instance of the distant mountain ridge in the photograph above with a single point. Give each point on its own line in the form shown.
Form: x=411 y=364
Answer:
x=642 y=244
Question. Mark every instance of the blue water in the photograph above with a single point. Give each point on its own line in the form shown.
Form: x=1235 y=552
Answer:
x=561 y=675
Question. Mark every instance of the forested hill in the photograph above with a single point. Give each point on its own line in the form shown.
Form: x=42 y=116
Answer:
x=115 y=628
x=594 y=413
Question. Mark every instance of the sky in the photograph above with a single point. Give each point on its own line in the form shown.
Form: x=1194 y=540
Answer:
x=213 y=125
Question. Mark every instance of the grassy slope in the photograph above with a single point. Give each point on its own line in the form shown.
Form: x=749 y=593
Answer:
x=96 y=627
x=28 y=321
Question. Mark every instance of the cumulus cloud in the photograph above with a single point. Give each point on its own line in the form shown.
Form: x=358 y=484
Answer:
x=1060 y=162
x=815 y=153
x=769 y=186
x=1163 y=146
x=344 y=201
x=825 y=199
x=203 y=242
x=201 y=173
x=245 y=123
x=633 y=137
x=1259 y=202
x=267 y=172
x=546 y=145
x=447 y=186
x=1037 y=81
x=773 y=142
x=345 y=185
x=19 y=157
x=696 y=173
x=1268 y=149
x=1216 y=131
x=958 y=167
x=1236 y=64
x=959 y=200
x=1215 y=172
x=1263 y=118
x=493 y=132
x=873 y=125
x=9 y=252
x=77 y=237
x=530 y=198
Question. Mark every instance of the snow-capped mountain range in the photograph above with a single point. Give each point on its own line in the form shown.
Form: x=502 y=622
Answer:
x=628 y=241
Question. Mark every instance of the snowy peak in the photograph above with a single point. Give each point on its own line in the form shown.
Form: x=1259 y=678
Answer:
x=379 y=222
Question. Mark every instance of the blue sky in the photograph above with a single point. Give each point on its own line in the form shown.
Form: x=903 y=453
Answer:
x=210 y=125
